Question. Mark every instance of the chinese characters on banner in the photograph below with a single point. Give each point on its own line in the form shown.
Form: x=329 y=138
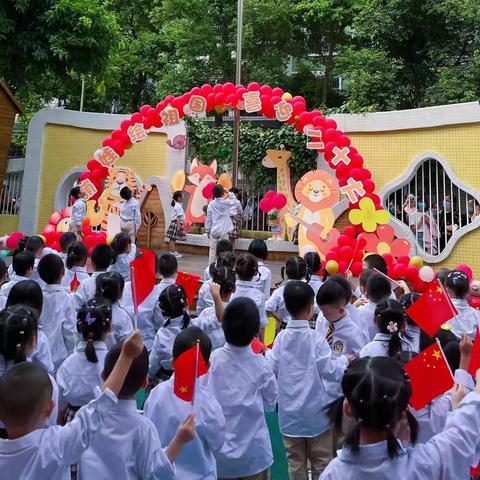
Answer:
x=316 y=144
x=107 y=156
x=88 y=188
x=353 y=190
x=137 y=133
x=170 y=116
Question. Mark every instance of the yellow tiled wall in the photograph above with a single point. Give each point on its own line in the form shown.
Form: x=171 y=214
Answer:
x=66 y=147
x=8 y=224
x=388 y=154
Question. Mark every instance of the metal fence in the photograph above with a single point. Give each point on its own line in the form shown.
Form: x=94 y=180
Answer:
x=254 y=219
x=10 y=193
x=432 y=206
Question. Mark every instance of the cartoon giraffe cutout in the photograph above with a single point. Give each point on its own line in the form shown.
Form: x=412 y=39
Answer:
x=278 y=159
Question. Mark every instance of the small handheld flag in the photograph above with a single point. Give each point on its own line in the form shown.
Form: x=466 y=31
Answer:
x=190 y=283
x=142 y=279
x=257 y=346
x=432 y=309
x=189 y=366
x=430 y=376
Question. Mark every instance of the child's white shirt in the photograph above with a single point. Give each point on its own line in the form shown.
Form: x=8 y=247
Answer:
x=80 y=272
x=122 y=325
x=166 y=411
x=6 y=287
x=209 y=323
x=79 y=210
x=177 y=212
x=378 y=347
x=302 y=360
x=315 y=282
x=443 y=457
x=206 y=274
x=413 y=331
x=41 y=354
x=59 y=322
x=276 y=304
x=150 y=317
x=347 y=337
x=86 y=291
x=77 y=377
x=366 y=316
x=205 y=299
x=52 y=419
x=264 y=280
x=248 y=290
x=49 y=452
x=467 y=321
x=161 y=353
x=128 y=447
x=245 y=387
x=122 y=264
x=218 y=222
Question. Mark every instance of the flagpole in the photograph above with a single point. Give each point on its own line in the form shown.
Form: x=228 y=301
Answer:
x=134 y=297
x=197 y=353
x=386 y=276
x=444 y=357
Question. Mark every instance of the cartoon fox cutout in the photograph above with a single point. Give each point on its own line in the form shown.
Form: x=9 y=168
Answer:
x=200 y=176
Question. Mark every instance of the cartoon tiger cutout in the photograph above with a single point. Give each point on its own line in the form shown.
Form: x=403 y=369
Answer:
x=107 y=215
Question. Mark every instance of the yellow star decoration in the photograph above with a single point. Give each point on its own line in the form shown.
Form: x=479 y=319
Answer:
x=184 y=389
x=437 y=354
x=368 y=216
x=439 y=289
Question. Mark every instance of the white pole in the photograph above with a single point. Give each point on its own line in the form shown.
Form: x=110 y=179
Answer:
x=82 y=95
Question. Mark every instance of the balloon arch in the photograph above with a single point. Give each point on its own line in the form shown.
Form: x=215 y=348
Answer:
x=369 y=231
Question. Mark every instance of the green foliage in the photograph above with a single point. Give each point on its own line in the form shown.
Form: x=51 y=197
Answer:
x=207 y=143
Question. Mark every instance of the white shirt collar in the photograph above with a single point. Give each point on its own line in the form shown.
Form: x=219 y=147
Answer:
x=247 y=351
x=298 y=324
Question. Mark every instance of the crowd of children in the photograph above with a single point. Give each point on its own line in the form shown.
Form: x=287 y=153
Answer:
x=71 y=366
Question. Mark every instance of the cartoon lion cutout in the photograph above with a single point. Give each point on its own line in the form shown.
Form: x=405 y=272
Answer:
x=316 y=193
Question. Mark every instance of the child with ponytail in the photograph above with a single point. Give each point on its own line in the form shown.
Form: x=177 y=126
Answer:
x=314 y=265
x=18 y=340
x=391 y=323
x=210 y=320
x=77 y=255
x=295 y=269
x=376 y=393
x=174 y=307
x=176 y=230
x=81 y=372
x=124 y=253
x=110 y=289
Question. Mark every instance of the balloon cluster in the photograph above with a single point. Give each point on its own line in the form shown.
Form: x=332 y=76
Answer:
x=272 y=201
x=411 y=270
x=207 y=191
x=347 y=255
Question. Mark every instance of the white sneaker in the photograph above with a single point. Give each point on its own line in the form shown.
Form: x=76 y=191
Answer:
x=178 y=255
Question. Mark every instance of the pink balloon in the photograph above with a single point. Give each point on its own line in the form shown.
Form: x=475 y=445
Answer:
x=467 y=270
x=207 y=191
x=270 y=194
x=279 y=201
x=266 y=204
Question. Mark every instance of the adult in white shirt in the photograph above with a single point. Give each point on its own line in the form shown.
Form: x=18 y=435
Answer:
x=218 y=223
x=78 y=213
x=130 y=216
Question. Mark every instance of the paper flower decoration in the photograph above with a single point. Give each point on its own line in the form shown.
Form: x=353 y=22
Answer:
x=384 y=241
x=368 y=216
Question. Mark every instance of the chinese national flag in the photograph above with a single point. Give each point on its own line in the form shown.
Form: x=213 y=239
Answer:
x=430 y=376
x=257 y=346
x=432 y=309
x=190 y=283
x=142 y=274
x=186 y=365
x=74 y=284
x=474 y=364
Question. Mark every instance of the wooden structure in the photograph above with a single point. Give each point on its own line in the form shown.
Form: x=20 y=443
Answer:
x=152 y=229
x=9 y=108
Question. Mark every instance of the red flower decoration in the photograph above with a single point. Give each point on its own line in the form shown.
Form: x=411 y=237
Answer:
x=384 y=241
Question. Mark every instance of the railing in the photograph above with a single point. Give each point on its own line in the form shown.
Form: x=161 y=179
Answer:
x=10 y=193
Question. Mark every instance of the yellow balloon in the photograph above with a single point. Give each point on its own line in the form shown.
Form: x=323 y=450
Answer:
x=178 y=181
x=109 y=239
x=225 y=180
x=270 y=330
x=43 y=238
x=416 y=261
x=287 y=96
x=331 y=267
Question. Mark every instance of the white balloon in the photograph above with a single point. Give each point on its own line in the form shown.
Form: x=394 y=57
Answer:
x=426 y=274
x=186 y=109
x=97 y=154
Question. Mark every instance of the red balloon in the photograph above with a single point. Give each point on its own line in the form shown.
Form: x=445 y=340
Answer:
x=361 y=243
x=298 y=107
x=404 y=259
x=117 y=134
x=266 y=90
x=228 y=88
x=97 y=174
x=274 y=101
x=344 y=240
x=206 y=89
x=136 y=118
x=196 y=91
x=331 y=256
x=342 y=266
x=89 y=241
x=411 y=273
x=125 y=124
x=217 y=88
x=118 y=147
x=108 y=142
x=144 y=109
x=253 y=87
x=270 y=194
x=13 y=239
x=356 y=268
x=346 y=252
x=399 y=270
x=219 y=99
x=92 y=165
x=207 y=191
x=279 y=201
x=349 y=231
x=231 y=99
x=369 y=185
x=388 y=257
x=84 y=176
x=277 y=92
x=266 y=204
x=330 y=123
x=87 y=230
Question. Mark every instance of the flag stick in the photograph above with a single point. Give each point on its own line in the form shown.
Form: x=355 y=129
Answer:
x=386 y=276
x=197 y=353
x=444 y=357
x=353 y=255
x=134 y=297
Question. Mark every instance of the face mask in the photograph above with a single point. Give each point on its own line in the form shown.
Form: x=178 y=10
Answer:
x=446 y=205
x=470 y=209
x=420 y=206
x=392 y=210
